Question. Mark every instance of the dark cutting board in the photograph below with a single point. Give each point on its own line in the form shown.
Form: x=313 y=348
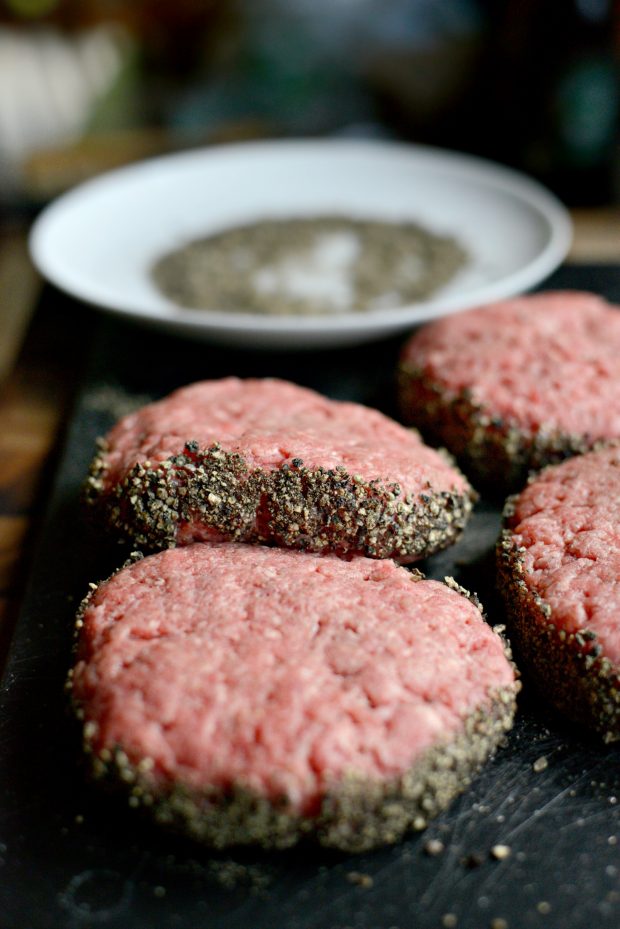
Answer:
x=71 y=857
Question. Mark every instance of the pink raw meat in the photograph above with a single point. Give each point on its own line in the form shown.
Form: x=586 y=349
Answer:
x=279 y=672
x=265 y=460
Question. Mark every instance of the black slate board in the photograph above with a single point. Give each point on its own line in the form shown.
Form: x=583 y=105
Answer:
x=71 y=857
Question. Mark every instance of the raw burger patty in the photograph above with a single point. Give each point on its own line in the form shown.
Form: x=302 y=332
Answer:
x=559 y=566
x=516 y=385
x=254 y=694
x=267 y=461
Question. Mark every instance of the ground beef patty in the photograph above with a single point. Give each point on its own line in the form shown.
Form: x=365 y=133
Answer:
x=265 y=460
x=559 y=569
x=254 y=694
x=516 y=385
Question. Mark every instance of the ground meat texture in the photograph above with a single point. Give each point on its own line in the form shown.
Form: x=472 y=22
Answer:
x=268 y=461
x=254 y=694
x=513 y=386
x=559 y=569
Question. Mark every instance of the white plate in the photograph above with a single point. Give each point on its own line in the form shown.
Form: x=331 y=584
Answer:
x=99 y=241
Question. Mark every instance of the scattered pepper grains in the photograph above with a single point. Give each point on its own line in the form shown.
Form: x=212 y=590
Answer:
x=501 y=852
x=434 y=847
x=360 y=879
x=541 y=764
x=473 y=860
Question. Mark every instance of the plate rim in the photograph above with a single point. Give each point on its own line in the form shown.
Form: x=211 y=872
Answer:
x=506 y=180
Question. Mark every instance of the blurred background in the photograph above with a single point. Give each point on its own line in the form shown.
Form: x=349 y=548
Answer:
x=86 y=85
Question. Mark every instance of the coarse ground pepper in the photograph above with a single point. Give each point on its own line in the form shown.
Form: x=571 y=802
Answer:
x=311 y=266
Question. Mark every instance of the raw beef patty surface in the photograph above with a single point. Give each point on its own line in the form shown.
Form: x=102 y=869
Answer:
x=268 y=461
x=559 y=563
x=255 y=694
x=516 y=385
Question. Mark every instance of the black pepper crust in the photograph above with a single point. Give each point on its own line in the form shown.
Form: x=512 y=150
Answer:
x=570 y=669
x=496 y=454
x=292 y=506
x=355 y=815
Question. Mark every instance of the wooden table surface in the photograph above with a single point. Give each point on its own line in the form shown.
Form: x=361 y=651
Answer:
x=39 y=370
